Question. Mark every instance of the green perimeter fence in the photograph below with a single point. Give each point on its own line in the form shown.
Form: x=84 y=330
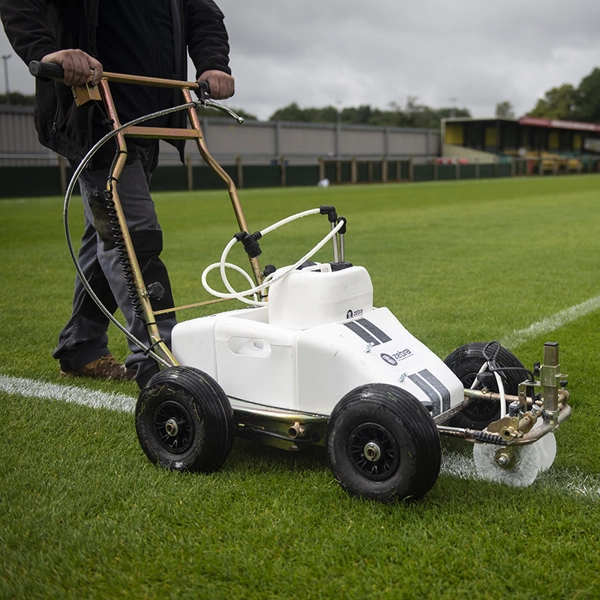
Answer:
x=18 y=181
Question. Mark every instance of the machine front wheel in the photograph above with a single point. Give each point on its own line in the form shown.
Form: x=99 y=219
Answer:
x=465 y=363
x=184 y=421
x=383 y=444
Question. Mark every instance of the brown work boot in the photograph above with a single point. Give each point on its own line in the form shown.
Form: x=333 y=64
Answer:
x=105 y=367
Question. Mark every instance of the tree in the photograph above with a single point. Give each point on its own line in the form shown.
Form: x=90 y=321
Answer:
x=587 y=104
x=412 y=115
x=505 y=110
x=18 y=99
x=292 y=112
x=557 y=103
x=573 y=104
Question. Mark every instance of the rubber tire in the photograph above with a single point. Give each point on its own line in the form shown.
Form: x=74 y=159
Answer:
x=413 y=444
x=205 y=431
x=465 y=363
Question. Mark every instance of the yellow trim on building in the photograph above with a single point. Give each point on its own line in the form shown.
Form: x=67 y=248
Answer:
x=491 y=137
x=455 y=134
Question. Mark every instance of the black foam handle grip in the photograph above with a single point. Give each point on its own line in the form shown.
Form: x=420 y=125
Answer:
x=43 y=70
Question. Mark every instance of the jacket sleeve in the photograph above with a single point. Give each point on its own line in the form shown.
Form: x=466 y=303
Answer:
x=206 y=37
x=26 y=26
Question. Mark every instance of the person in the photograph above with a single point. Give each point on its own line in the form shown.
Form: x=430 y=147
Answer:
x=136 y=37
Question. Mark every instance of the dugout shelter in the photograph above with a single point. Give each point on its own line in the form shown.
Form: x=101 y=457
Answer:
x=552 y=143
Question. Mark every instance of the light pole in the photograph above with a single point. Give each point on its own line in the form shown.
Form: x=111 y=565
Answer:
x=453 y=108
x=5 y=58
x=338 y=129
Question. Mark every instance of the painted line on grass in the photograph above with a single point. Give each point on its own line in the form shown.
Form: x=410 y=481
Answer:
x=454 y=464
x=551 y=323
x=573 y=480
x=67 y=393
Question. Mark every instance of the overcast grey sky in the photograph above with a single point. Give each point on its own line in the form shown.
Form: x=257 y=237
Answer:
x=470 y=53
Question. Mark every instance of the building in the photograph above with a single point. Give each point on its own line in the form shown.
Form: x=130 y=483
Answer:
x=562 y=145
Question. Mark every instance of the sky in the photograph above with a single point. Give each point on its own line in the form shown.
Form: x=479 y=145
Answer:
x=466 y=53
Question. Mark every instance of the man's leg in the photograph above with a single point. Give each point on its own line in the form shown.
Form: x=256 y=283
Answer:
x=146 y=235
x=84 y=338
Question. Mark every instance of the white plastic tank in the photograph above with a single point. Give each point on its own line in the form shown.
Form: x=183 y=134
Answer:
x=308 y=298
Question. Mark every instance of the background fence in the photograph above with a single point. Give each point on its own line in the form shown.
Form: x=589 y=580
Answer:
x=265 y=154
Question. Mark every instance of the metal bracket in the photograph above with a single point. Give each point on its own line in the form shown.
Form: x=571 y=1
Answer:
x=85 y=93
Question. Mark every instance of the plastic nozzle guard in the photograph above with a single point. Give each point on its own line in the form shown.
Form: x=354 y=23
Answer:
x=250 y=241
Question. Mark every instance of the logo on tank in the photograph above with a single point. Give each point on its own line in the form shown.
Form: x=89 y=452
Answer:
x=394 y=359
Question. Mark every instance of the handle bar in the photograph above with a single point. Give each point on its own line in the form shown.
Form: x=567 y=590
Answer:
x=42 y=70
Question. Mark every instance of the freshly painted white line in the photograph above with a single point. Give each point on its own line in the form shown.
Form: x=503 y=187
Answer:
x=574 y=481
x=67 y=393
x=454 y=464
x=549 y=324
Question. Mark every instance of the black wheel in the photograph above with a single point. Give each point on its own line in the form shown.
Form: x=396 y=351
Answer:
x=465 y=363
x=184 y=421
x=383 y=444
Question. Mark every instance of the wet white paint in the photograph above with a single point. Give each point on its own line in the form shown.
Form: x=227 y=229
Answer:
x=67 y=393
x=551 y=323
x=572 y=481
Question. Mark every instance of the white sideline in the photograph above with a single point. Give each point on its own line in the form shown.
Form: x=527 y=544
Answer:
x=113 y=401
x=573 y=481
x=67 y=393
x=453 y=464
x=551 y=323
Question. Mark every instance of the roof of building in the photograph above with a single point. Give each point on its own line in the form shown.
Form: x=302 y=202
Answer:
x=532 y=122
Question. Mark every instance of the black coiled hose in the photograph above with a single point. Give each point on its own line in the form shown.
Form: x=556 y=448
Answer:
x=113 y=219
x=488 y=438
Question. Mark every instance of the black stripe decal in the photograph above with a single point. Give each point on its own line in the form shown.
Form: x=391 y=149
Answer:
x=431 y=393
x=371 y=328
x=360 y=332
x=443 y=391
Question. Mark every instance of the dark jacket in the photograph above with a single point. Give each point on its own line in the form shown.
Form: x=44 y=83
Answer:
x=39 y=27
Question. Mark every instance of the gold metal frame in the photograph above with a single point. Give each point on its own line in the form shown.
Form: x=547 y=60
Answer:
x=87 y=93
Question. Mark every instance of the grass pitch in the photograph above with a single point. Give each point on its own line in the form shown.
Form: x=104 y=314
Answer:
x=84 y=514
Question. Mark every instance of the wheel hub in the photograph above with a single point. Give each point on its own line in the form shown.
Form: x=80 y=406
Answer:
x=372 y=452
x=172 y=428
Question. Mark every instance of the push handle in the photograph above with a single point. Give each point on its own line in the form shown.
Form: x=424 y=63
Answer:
x=43 y=70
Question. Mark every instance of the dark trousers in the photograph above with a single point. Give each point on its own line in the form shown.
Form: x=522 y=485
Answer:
x=84 y=338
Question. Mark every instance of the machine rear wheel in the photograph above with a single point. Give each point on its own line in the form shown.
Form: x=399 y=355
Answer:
x=184 y=421
x=465 y=363
x=383 y=444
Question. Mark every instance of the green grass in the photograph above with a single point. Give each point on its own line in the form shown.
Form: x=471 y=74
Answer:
x=83 y=514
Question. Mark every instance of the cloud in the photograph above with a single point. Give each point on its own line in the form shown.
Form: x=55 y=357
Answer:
x=345 y=53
